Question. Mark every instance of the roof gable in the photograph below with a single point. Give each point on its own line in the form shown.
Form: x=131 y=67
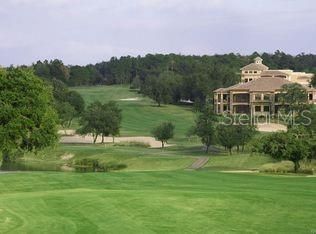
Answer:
x=255 y=66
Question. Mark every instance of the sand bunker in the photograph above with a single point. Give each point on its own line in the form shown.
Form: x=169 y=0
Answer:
x=130 y=99
x=67 y=156
x=271 y=127
x=88 y=139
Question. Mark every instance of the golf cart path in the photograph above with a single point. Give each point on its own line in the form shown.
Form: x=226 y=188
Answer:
x=199 y=163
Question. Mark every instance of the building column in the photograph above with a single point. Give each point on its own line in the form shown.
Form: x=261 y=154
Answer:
x=272 y=104
x=222 y=103
x=231 y=100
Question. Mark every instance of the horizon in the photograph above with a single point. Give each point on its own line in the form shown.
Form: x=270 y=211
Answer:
x=86 y=32
x=164 y=54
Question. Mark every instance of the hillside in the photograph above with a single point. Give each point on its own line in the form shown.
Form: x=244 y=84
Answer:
x=140 y=114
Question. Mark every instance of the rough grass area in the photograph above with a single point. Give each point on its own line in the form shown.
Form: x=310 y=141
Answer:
x=237 y=162
x=156 y=202
x=307 y=167
x=142 y=114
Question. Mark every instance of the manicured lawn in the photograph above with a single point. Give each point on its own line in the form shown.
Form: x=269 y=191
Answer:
x=237 y=162
x=156 y=202
x=139 y=116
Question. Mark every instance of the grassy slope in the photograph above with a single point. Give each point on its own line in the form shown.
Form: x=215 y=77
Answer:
x=139 y=117
x=156 y=202
x=141 y=159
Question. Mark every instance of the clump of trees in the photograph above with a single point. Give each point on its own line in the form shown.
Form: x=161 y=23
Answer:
x=287 y=146
x=229 y=135
x=94 y=165
x=205 y=127
x=294 y=100
x=163 y=132
x=28 y=121
x=68 y=103
x=101 y=120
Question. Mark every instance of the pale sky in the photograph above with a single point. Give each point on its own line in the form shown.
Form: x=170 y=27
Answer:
x=90 y=31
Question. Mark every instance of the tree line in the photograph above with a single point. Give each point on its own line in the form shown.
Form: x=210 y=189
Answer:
x=176 y=76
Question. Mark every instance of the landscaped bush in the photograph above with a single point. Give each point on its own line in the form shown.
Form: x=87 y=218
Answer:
x=279 y=167
x=115 y=166
x=93 y=165
x=286 y=167
x=87 y=165
x=308 y=171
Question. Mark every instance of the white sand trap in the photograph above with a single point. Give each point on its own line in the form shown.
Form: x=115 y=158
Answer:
x=271 y=127
x=67 y=132
x=88 y=139
x=241 y=171
x=130 y=99
x=67 y=156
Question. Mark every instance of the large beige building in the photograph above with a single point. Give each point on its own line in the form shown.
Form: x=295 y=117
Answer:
x=257 y=69
x=258 y=92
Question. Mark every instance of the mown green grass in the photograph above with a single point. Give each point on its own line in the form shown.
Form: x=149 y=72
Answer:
x=238 y=162
x=141 y=116
x=156 y=202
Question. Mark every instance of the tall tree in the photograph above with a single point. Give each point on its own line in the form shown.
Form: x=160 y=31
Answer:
x=27 y=119
x=294 y=99
x=205 y=127
x=158 y=89
x=286 y=146
x=101 y=120
x=163 y=132
x=227 y=136
x=245 y=133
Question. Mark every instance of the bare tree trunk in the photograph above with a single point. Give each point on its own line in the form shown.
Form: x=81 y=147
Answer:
x=95 y=138
x=207 y=148
x=69 y=123
x=5 y=157
x=162 y=144
x=5 y=160
x=113 y=139
x=296 y=166
x=102 y=138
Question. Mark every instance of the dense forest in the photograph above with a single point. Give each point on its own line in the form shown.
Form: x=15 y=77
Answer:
x=169 y=78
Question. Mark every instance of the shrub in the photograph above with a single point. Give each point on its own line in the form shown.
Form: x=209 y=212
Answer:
x=279 y=167
x=93 y=165
x=87 y=165
x=115 y=166
x=285 y=167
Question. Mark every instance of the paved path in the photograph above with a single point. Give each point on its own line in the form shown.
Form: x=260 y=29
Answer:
x=199 y=163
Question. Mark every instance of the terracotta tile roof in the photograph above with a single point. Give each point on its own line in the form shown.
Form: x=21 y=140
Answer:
x=273 y=73
x=264 y=84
